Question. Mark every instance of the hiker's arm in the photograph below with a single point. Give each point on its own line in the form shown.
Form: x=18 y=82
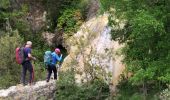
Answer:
x=31 y=57
x=59 y=58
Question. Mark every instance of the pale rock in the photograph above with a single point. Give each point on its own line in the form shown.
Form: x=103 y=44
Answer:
x=92 y=46
x=38 y=90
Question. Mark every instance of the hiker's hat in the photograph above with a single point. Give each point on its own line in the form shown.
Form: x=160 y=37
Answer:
x=57 y=50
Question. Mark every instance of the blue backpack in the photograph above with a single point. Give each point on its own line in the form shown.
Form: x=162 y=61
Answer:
x=47 y=58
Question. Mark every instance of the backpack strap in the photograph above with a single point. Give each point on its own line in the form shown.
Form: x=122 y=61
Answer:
x=25 y=58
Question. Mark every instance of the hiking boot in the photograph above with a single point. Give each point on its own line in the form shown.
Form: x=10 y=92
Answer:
x=47 y=80
x=20 y=85
x=32 y=83
x=55 y=79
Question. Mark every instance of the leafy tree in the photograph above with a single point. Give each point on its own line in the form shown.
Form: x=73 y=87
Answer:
x=67 y=89
x=146 y=36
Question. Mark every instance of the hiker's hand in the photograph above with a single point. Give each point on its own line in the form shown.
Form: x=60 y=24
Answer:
x=34 y=58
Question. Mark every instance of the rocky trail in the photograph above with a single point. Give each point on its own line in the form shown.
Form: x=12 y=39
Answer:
x=41 y=90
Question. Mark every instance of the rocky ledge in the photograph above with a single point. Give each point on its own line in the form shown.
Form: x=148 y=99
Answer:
x=39 y=91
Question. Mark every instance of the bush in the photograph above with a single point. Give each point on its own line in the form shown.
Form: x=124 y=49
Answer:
x=69 y=21
x=105 y=5
x=9 y=69
x=67 y=89
x=127 y=91
x=39 y=71
x=146 y=38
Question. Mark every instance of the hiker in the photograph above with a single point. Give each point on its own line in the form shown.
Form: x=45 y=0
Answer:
x=56 y=57
x=26 y=65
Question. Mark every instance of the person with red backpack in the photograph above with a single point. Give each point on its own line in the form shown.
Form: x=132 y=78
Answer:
x=26 y=64
x=56 y=57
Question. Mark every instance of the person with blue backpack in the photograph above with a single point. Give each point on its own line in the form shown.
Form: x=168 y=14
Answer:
x=50 y=60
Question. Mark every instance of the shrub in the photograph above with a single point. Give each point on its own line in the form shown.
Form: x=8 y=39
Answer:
x=67 y=89
x=9 y=69
x=69 y=21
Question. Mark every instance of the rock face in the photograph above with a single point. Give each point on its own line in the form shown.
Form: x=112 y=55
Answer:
x=40 y=91
x=93 y=9
x=37 y=16
x=92 y=52
x=48 y=37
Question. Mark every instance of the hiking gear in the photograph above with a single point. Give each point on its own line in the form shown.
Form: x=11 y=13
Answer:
x=47 y=58
x=57 y=50
x=27 y=66
x=20 y=55
x=58 y=71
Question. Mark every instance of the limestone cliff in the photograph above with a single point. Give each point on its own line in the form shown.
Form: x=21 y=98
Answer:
x=92 y=52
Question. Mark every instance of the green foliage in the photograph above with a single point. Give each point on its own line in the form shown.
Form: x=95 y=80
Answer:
x=67 y=89
x=55 y=9
x=9 y=70
x=13 y=17
x=127 y=91
x=4 y=4
x=17 y=18
x=39 y=71
x=105 y=5
x=65 y=14
x=69 y=21
x=146 y=35
x=83 y=6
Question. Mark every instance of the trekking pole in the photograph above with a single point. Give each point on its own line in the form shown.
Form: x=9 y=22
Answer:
x=58 y=69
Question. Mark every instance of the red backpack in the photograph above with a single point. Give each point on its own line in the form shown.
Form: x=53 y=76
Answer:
x=19 y=55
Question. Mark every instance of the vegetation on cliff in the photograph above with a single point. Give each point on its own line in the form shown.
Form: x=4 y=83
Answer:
x=147 y=36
